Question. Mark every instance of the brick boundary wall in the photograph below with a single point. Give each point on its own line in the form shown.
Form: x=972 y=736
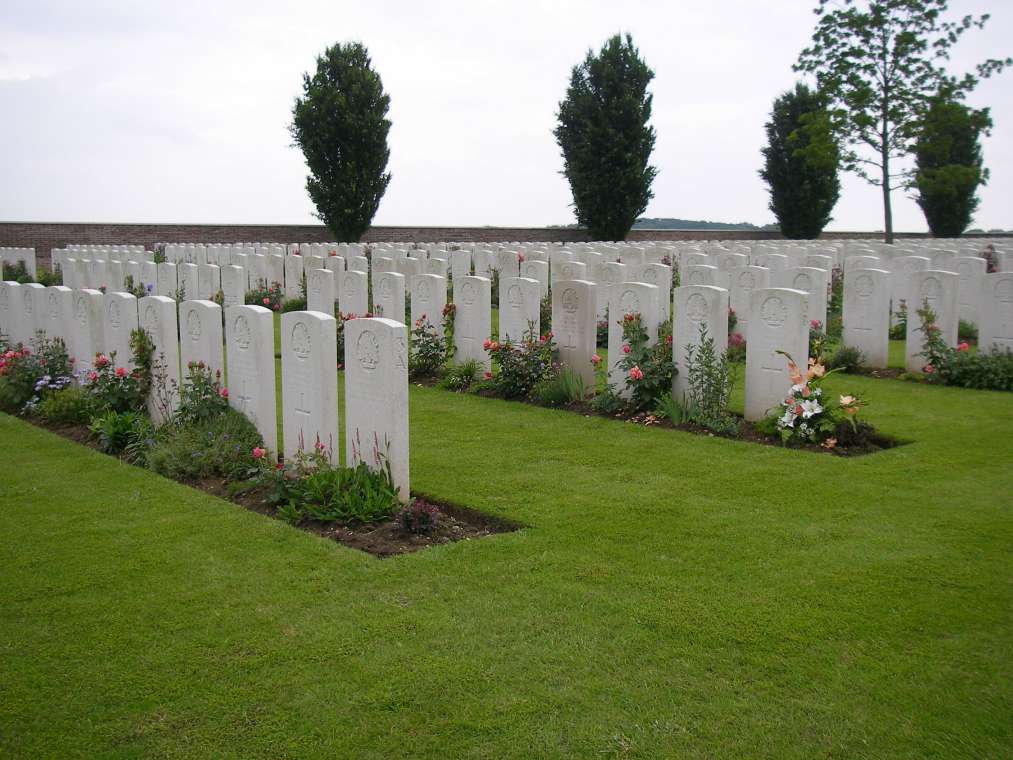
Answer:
x=44 y=236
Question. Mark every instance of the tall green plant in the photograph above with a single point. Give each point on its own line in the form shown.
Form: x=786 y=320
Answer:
x=606 y=140
x=949 y=167
x=341 y=125
x=801 y=159
x=880 y=63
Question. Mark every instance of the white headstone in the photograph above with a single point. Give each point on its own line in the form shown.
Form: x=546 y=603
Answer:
x=472 y=319
x=59 y=309
x=376 y=398
x=629 y=298
x=157 y=316
x=249 y=348
x=389 y=296
x=697 y=306
x=120 y=322
x=209 y=281
x=939 y=290
x=866 y=314
x=995 y=327
x=778 y=322
x=574 y=323
x=970 y=270
x=10 y=312
x=200 y=336
x=354 y=296
x=233 y=286
x=320 y=291
x=429 y=297
x=309 y=379
x=166 y=283
x=188 y=281
x=519 y=308
x=87 y=329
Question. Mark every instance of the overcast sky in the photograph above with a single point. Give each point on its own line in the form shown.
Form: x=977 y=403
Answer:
x=178 y=111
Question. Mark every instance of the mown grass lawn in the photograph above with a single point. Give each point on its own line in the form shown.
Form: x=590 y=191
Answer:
x=672 y=595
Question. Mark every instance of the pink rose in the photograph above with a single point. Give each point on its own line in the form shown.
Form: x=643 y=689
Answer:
x=636 y=374
x=224 y=392
x=962 y=346
x=258 y=452
x=266 y=301
x=487 y=376
x=626 y=349
x=596 y=360
x=120 y=372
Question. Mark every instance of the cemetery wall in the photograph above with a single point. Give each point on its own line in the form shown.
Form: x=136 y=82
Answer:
x=44 y=236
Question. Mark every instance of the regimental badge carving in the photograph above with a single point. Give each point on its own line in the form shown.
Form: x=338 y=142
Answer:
x=81 y=309
x=114 y=315
x=151 y=318
x=27 y=301
x=367 y=350
x=696 y=278
x=696 y=308
x=301 y=345
x=351 y=287
x=864 y=285
x=773 y=312
x=747 y=281
x=931 y=289
x=571 y=301
x=469 y=292
x=515 y=297
x=241 y=332
x=802 y=281
x=4 y=299
x=385 y=292
x=650 y=275
x=316 y=284
x=629 y=303
x=54 y=305
x=423 y=292
x=193 y=325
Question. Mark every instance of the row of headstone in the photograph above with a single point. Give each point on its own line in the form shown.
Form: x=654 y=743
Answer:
x=241 y=348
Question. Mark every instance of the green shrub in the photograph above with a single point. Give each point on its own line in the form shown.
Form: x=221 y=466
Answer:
x=459 y=377
x=428 y=350
x=708 y=386
x=967 y=331
x=522 y=365
x=293 y=304
x=268 y=296
x=562 y=387
x=114 y=430
x=309 y=487
x=218 y=446
x=845 y=358
x=648 y=368
x=70 y=406
x=201 y=397
x=958 y=366
x=27 y=376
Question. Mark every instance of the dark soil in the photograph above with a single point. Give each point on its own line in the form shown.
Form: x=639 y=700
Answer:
x=385 y=539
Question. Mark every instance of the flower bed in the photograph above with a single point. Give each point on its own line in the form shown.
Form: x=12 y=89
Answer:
x=204 y=443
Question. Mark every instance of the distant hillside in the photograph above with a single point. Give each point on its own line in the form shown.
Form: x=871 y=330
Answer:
x=667 y=223
x=694 y=224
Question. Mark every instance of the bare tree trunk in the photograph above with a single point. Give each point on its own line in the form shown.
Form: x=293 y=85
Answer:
x=887 y=208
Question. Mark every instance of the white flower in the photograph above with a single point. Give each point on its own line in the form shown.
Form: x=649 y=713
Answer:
x=810 y=407
x=797 y=388
x=788 y=420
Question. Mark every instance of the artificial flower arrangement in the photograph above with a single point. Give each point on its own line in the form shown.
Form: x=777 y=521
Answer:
x=807 y=415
